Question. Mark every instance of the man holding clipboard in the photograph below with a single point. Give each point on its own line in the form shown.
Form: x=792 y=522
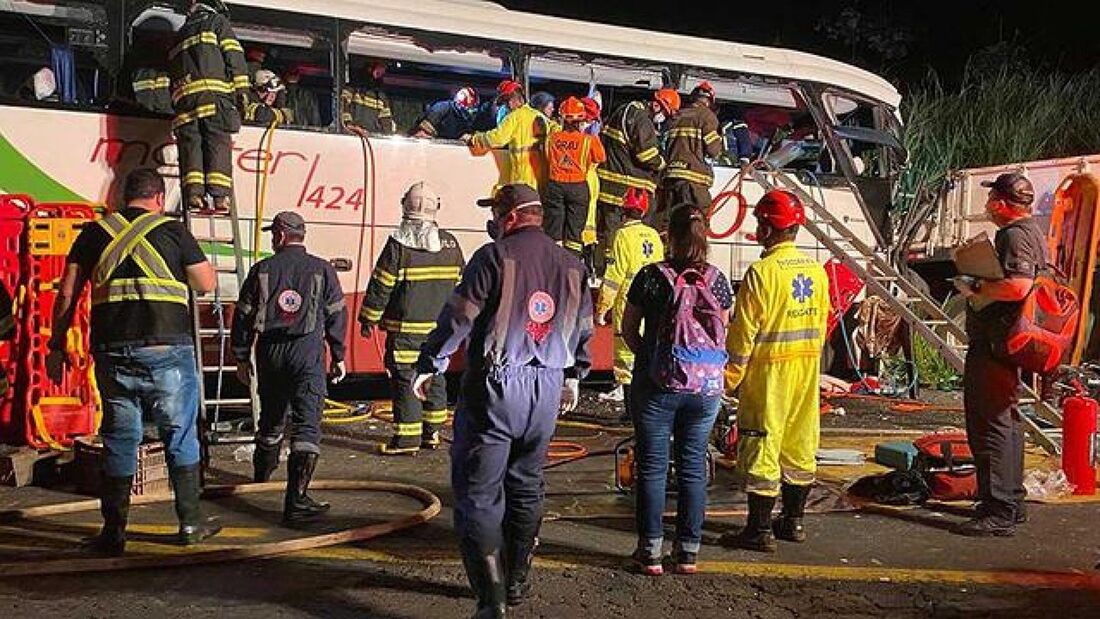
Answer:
x=995 y=286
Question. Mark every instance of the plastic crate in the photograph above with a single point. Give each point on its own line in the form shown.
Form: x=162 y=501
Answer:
x=152 y=468
x=13 y=222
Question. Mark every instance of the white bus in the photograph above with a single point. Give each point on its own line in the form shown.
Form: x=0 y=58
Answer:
x=75 y=147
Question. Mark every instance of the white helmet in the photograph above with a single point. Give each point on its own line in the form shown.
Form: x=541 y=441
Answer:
x=420 y=202
x=267 y=80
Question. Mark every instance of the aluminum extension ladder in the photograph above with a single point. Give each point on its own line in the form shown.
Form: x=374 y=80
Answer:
x=904 y=295
x=212 y=330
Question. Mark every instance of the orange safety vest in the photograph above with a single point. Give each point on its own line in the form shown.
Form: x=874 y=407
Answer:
x=571 y=154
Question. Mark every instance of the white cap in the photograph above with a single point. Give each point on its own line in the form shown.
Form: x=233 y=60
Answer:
x=420 y=202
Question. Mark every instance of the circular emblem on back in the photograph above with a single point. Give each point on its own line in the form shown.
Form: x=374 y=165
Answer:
x=290 y=301
x=541 y=308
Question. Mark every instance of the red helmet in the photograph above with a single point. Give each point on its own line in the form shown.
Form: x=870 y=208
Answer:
x=636 y=200
x=591 y=108
x=704 y=90
x=466 y=98
x=781 y=209
x=507 y=88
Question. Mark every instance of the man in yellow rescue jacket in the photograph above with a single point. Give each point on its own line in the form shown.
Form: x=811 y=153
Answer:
x=774 y=344
x=523 y=133
x=635 y=245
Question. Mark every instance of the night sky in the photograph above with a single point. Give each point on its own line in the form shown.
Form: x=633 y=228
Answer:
x=900 y=39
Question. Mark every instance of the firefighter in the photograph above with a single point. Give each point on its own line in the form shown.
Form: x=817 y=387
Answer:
x=449 y=119
x=692 y=139
x=302 y=101
x=774 y=344
x=526 y=318
x=152 y=90
x=522 y=133
x=366 y=109
x=267 y=100
x=290 y=306
x=572 y=155
x=635 y=246
x=140 y=264
x=633 y=160
x=415 y=274
x=209 y=81
x=7 y=332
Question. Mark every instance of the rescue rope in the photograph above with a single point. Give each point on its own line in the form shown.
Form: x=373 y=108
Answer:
x=430 y=502
x=719 y=202
x=566 y=450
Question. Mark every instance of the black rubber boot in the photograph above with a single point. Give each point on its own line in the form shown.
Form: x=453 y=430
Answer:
x=757 y=534
x=487 y=580
x=187 y=484
x=789 y=526
x=265 y=460
x=114 y=505
x=627 y=417
x=518 y=556
x=299 y=506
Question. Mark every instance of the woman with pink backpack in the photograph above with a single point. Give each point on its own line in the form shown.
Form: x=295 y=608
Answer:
x=684 y=303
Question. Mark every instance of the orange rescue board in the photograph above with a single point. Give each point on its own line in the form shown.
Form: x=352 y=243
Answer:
x=1074 y=231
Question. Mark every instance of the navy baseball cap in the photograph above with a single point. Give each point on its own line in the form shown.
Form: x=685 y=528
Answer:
x=287 y=220
x=511 y=197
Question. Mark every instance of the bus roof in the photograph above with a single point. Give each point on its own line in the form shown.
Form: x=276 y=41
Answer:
x=488 y=20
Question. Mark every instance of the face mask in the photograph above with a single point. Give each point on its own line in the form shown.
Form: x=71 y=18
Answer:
x=493 y=228
x=659 y=118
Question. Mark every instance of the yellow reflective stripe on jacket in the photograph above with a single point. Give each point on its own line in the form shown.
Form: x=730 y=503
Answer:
x=688 y=175
x=129 y=240
x=649 y=154
x=156 y=83
x=371 y=315
x=203 y=111
x=241 y=82
x=208 y=85
x=614 y=134
x=385 y=278
x=209 y=38
x=629 y=181
x=410 y=328
x=141 y=289
x=231 y=45
x=685 y=132
x=423 y=274
x=610 y=198
x=712 y=137
x=406 y=356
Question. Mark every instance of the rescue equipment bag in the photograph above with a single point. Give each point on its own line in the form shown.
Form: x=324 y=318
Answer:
x=945 y=461
x=1044 y=330
x=690 y=355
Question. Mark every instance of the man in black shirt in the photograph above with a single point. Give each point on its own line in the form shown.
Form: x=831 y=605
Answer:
x=139 y=264
x=991 y=384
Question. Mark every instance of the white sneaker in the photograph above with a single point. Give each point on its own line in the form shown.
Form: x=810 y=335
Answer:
x=615 y=395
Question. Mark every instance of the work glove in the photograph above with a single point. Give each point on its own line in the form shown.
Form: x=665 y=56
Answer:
x=338 y=372
x=421 y=384
x=366 y=329
x=244 y=372
x=570 y=395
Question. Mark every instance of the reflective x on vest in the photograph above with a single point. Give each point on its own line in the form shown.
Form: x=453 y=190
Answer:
x=128 y=240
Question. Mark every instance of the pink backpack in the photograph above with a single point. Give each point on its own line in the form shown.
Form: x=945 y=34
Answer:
x=690 y=354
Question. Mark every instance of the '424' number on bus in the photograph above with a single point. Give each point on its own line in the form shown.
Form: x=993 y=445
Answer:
x=334 y=198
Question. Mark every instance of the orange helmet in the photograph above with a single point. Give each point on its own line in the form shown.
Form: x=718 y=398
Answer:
x=636 y=200
x=668 y=99
x=704 y=90
x=572 y=110
x=781 y=209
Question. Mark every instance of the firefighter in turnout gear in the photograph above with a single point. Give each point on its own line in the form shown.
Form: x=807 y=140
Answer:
x=365 y=109
x=209 y=81
x=140 y=265
x=572 y=155
x=7 y=332
x=526 y=316
x=267 y=100
x=633 y=160
x=522 y=133
x=152 y=90
x=774 y=344
x=415 y=274
x=290 y=306
x=635 y=246
x=692 y=138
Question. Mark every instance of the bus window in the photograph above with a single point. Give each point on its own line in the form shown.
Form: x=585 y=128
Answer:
x=870 y=133
x=303 y=61
x=564 y=74
x=414 y=74
x=53 y=52
x=762 y=119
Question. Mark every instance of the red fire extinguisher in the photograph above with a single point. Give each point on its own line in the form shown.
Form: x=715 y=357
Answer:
x=1079 y=441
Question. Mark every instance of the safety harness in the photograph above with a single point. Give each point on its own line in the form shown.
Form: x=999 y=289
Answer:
x=129 y=240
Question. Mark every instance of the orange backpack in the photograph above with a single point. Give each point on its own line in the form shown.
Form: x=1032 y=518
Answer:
x=1044 y=331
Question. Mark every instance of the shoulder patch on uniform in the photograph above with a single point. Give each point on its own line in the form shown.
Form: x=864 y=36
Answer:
x=290 y=301
x=541 y=307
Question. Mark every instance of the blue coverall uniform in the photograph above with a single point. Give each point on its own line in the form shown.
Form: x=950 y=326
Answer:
x=525 y=308
x=290 y=304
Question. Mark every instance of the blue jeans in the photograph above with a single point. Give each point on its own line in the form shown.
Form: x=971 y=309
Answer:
x=161 y=382
x=687 y=419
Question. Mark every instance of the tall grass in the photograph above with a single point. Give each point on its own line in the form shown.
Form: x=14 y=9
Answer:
x=999 y=114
